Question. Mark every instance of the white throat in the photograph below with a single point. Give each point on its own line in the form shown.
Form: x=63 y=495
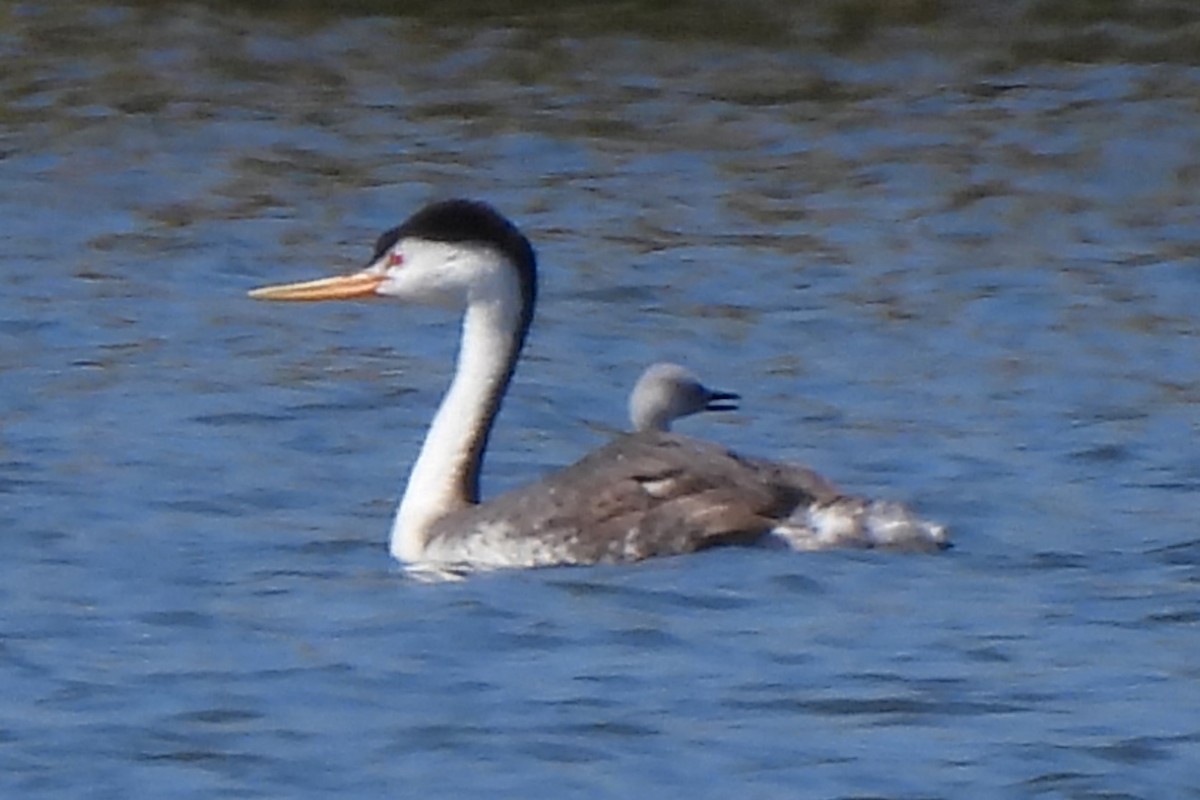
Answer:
x=445 y=477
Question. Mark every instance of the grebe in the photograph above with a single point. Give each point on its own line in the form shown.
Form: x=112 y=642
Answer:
x=666 y=392
x=645 y=494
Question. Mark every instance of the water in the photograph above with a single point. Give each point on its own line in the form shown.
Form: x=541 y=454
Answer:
x=949 y=258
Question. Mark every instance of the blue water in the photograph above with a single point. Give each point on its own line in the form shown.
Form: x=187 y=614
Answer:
x=961 y=277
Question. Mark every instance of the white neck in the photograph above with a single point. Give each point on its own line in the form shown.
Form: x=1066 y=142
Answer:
x=657 y=420
x=445 y=477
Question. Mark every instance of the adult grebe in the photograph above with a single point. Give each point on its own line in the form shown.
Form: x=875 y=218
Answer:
x=666 y=392
x=644 y=494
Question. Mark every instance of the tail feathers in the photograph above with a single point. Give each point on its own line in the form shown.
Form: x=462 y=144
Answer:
x=855 y=522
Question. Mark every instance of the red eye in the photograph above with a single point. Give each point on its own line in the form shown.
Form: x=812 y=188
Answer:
x=394 y=260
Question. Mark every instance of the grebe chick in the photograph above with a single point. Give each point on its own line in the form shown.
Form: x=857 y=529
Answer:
x=665 y=392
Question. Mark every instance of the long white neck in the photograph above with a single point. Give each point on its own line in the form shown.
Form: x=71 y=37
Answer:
x=445 y=477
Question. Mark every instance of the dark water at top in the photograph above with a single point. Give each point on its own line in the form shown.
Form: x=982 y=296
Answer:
x=948 y=255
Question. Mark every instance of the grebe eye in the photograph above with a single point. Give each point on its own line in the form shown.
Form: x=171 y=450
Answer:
x=394 y=260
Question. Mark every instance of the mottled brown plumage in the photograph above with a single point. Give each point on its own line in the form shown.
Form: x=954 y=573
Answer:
x=643 y=494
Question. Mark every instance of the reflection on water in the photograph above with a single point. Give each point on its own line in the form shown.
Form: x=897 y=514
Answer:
x=945 y=252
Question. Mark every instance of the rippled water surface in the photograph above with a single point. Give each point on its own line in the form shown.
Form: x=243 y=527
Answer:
x=947 y=256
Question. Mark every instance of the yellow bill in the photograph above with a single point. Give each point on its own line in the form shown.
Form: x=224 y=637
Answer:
x=341 y=287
